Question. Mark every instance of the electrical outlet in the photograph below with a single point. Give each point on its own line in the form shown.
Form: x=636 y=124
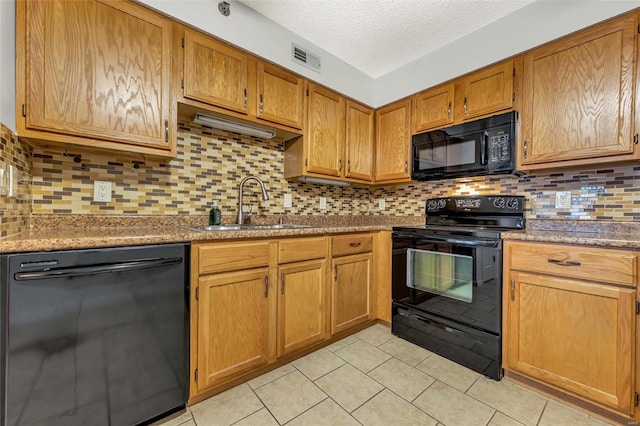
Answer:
x=101 y=191
x=381 y=204
x=323 y=203
x=287 y=201
x=563 y=199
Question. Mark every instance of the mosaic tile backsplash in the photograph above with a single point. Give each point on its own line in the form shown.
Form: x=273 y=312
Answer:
x=15 y=211
x=210 y=165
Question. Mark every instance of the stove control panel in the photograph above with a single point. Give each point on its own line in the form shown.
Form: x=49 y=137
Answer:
x=479 y=203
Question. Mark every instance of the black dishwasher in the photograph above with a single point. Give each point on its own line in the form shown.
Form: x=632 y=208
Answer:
x=94 y=337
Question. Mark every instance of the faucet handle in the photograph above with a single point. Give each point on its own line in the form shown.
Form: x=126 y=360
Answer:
x=249 y=213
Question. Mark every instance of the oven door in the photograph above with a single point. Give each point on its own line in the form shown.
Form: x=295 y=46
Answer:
x=451 y=277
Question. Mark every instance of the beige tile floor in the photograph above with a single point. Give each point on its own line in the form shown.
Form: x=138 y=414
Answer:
x=374 y=378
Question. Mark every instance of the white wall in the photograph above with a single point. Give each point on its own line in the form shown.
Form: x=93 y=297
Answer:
x=253 y=32
x=8 y=64
x=533 y=25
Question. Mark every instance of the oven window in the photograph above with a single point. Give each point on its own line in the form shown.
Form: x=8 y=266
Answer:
x=450 y=275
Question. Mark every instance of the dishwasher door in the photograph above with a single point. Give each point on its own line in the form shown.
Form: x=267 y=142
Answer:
x=94 y=337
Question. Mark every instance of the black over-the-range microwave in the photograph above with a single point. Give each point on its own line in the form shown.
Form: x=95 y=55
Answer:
x=476 y=148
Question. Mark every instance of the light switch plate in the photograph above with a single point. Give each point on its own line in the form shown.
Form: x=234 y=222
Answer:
x=323 y=203
x=563 y=199
x=381 y=204
x=101 y=191
x=12 y=181
x=3 y=179
x=287 y=201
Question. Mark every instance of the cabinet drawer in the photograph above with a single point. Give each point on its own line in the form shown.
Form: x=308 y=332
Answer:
x=343 y=245
x=297 y=249
x=231 y=257
x=606 y=265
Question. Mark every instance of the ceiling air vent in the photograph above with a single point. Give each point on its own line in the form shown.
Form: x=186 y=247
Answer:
x=304 y=58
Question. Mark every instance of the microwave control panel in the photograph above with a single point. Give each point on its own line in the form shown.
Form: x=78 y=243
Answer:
x=499 y=150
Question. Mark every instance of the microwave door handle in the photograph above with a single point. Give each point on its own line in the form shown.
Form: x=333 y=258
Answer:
x=483 y=148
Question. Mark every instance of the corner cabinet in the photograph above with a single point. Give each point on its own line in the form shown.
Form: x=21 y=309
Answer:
x=95 y=73
x=570 y=320
x=393 y=143
x=338 y=140
x=578 y=94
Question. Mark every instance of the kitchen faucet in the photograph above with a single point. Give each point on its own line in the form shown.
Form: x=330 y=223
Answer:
x=265 y=196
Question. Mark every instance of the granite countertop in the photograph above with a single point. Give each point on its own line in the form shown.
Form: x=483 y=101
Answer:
x=76 y=232
x=593 y=233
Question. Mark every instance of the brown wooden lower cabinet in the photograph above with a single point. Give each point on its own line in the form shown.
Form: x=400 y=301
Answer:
x=576 y=335
x=301 y=305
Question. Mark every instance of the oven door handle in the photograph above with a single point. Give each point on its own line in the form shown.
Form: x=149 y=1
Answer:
x=468 y=243
x=430 y=322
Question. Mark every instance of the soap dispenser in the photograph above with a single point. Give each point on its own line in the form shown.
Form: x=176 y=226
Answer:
x=214 y=215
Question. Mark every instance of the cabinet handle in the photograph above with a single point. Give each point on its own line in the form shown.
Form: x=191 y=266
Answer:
x=465 y=105
x=266 y=286
x=348 y=166
x=340 y=165
x=513 y=290
x=449 y=110
x=526 y=143
x=261 y=103
x=406 y=166
x=335 y=275
x=563 y=262
x=282 y=279
x=244 y=103
x=355 y=244
x=166 y=130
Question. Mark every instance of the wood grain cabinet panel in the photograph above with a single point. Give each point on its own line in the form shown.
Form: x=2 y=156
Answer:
x=433 y=108
x=95 y=70
x=325 y=132
x=351 y=291
x=578 y=95
x=358 y=149
x=571 y=324
x=301 y=305
x=488 y=90
x=215 y=73
x=233 y=325
x=393 y=142
x=280 y=96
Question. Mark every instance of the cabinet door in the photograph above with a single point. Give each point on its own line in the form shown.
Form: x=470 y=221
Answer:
x=350 y=291
x=98 y=70
x=280 y=96
x=233 y=324
x=488 y=90
x=359 y=142
x=433 y=108
x=325 y=134
x=578 y=94
x=393 y=142
x=215 y=73
x=574 y=335
x=301 y=305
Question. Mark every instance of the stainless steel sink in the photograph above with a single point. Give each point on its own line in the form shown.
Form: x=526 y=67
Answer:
x=245 y=227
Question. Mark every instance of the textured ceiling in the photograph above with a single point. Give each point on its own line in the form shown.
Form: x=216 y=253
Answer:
x=379 y=36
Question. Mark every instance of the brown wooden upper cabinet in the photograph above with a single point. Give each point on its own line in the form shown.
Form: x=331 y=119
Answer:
x=280 y=96
x=338 y=140
x=393 y=142
x=486 y=91
x=215 y=73
x=578 y=94
x=95 y=73
x=433 y=108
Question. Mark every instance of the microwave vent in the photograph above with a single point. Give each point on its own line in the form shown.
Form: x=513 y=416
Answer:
x=305 y=58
